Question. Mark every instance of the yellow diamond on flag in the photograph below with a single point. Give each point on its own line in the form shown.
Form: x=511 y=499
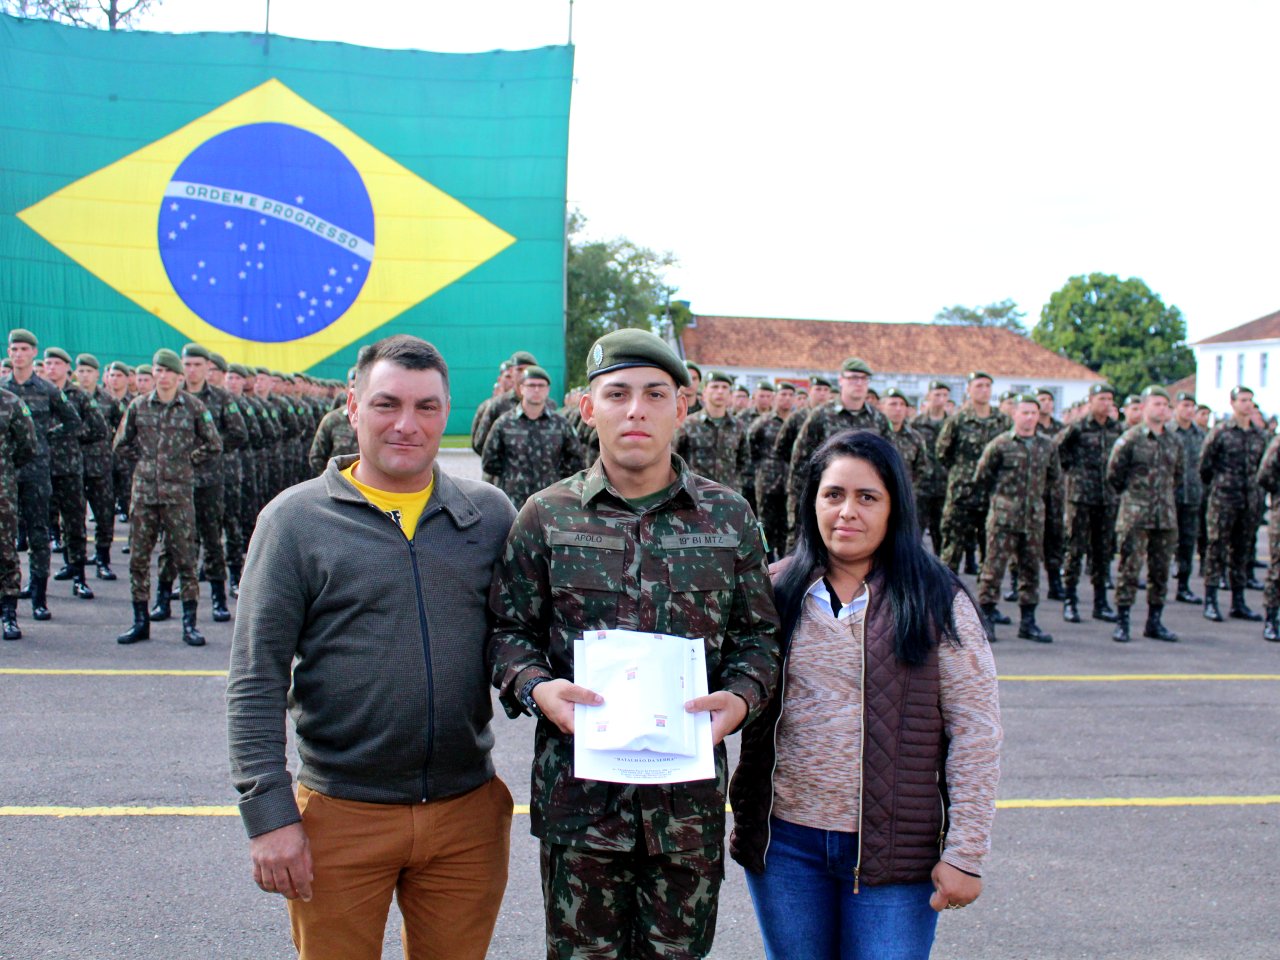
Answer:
x=267 y=231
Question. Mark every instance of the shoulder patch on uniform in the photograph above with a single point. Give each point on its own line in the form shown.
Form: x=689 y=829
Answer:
x=26 y=411
x=208 y=417
x=232 y=407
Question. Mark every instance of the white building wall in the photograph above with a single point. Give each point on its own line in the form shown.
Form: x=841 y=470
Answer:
x=1222 y=366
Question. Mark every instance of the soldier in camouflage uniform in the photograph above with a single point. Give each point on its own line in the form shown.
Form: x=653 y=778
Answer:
x=66 y=469
x=17 y=449
x=285 y=427
x=1268 y=478
x=761 y=405
x=1083 y=449
x=960 y=444
x=1229 y=461
x=264 y=432
x=1190 y=493
x=99 y=486
x=236 y=479
x=770 y=470
x=909 y=444
x=693 y=391
x=171 y=434
x=785 y=445
x=46 y=403
x=637 y=542
x=713 y=442
x=530 y=447
x=1016 y=468
x=335 y=437
x=1145 y=468
x=115 y=383
x=520 y=361
x=1055 y=534
x=506 y=381
x=931 y=491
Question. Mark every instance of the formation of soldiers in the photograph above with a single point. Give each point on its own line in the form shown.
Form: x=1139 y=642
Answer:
x=187 y=449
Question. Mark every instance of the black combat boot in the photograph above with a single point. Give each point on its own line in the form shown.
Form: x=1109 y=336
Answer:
x=218 y=590
x=1027 y=629
x=1240 y=610
x=78 y=587
x=1101 y=609
x=103 y=562
x=994 y=615
x=1184 y=594
x=1071 y=608
x=40 y=599
x=141 y=629
x=66 y=573
x=1121 y=633
x=22 y=543
x=1157 y=630
x=190 y=635
x=1056 y=589
x=233 y=579
x=1253 y=583
x=1211 y=611
x=1270 y=627
x=162 y=609
x=9 y=618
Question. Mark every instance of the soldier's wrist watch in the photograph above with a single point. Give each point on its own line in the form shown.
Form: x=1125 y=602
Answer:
x=525 y=696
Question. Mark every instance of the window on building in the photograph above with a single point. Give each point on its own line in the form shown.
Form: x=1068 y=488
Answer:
x=1217 y=370
x=1262 y=369
x=1239 y=369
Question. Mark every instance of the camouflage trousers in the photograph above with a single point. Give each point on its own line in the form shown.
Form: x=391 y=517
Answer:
x=66 y=505
x=773 y=520
x=1229 y=527
x=101 y=496
x=177 y=521
x=122 y=481
x=929 y=511
x=231 y=528
x=1156 y=548
x=1055 y=532
x=208 y=530
x=1271 y=589
x=1189 y=522
x=251 y=502
x=962 y=530
x=1088 y=535
x=10 y=570
x=626 y=906
x=1003 y=545
x=33 y=511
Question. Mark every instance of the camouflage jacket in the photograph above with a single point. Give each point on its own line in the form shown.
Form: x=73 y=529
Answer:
x=226 y=415
x=17 y=442
x=914 y=452
x=489 y=412
x=169 y=440
x=97 y=455
x=1083 y=449
x=1145 y=468
x=335 y=437
x=580 y=557
x=1268 y=476
x=746 y=418
x=67 y=451
x=1191 y=489
x=714 y=447
x=1229 y=461
x=268 y=421
x=46 y=403
x=823 y=422
x=785 y=443
x=961 y=443
x=524 y=455
x=770 y=470
x=481 y=421
x=1017 y=471
x=934 y=481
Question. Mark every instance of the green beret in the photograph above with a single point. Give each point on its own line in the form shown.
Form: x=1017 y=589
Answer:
x=939 y=385
x=164 y=357
x=195 y=350
x=856 y=365
x=1156 y=391
x=801 y=391
x=523 y=358
x=764 y=385
x=821 y=382
x=219 y=361
x=6 y=363
x=1045 y=392
x=786 y=385
x=635 y=348
x=1184 y=395
x=57 y=353
x=535 y=372
x=690 y=365
x=1007 y=395
x=18 y=335
x=1098 y=388
x=240 y=370
x=1132 y=398
x=120 y=366
x=980 y=375
x=350 y=373
x=895 y=392
x=1025 y=398
x=1236 y=391
x=275 y=374
x=719 y=376
x=88 y=360
x=143 y=368
x=260 y=370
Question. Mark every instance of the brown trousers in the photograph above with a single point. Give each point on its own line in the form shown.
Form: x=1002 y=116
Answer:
x=445 y=862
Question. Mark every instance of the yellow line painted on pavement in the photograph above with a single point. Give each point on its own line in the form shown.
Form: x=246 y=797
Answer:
x=1131 y=677
x=49 y=672
x=522 y=809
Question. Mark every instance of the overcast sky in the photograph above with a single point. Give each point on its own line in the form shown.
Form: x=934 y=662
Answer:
x=848 y=160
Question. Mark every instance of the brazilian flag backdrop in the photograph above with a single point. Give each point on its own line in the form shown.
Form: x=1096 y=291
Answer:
x=283 y=202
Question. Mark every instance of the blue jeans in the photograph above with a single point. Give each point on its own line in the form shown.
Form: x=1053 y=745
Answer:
x=807 y=909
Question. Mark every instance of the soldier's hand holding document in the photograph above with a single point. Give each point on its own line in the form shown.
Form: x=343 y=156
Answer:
x=641 y=733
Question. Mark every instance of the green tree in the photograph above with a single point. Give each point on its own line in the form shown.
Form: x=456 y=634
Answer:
x=1118 y=328
x=1004 y=314
x=111 y=14
x=612 y=285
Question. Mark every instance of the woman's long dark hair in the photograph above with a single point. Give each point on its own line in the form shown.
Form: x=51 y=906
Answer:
x=920 y=588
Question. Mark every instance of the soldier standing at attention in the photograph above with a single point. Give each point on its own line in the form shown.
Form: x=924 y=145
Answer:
x=909 y=444
x=784 y=446
x=239 y=472
x=66 y=469
x=960 y=444
x=99 y=488
x=693 y=389
x=931 y=492
x=172 y=434
x=1083 y=449
x=1145 y=468
x=115 y=380
x=17 y=448
x=1268 y=479
x=1190 y=493
x=520 y=361
x=1054 y=503
x=1132 y=411
x=762 y=405
x=636 y=542
x=741 y=400
x=712 y=441
x=1229 y=462
x=256 y=461
x=335 y=437
x=1017 y=468
x=504 y=383
x=771 y=472
x=46 y=403
x=530 y=447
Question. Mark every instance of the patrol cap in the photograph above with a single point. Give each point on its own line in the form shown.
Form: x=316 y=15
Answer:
x=938 y=385
x=119 y=366
x=1236 y=391
x=895 y=392
x=1098 y=388
x=1025 y=397
x=57 y=353
x=87 y=360
x=219 y=361
x=164 y=357
x=523 y=358
x=635 y=348
x=1132 y=398
x=1044 y=392
x=1155 y=390
x=816 y=381
x=980 y=375
x=856 y=365
x=719 y=376
x=535 y=372
x=196 y=350
x=144 y=368
x=1185 y=395
x=19 y=335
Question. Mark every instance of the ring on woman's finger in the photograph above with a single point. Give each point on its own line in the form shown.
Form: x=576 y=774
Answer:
x=954 y=906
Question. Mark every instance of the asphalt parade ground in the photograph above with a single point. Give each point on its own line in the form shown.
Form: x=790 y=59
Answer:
x=1139 y=799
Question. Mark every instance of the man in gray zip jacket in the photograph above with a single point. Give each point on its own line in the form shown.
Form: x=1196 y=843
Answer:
x=363 y=609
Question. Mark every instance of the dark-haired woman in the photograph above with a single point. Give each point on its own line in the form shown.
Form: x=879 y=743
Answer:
x=865 y=793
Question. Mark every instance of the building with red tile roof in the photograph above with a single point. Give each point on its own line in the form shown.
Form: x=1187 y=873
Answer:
x=1242 y=356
